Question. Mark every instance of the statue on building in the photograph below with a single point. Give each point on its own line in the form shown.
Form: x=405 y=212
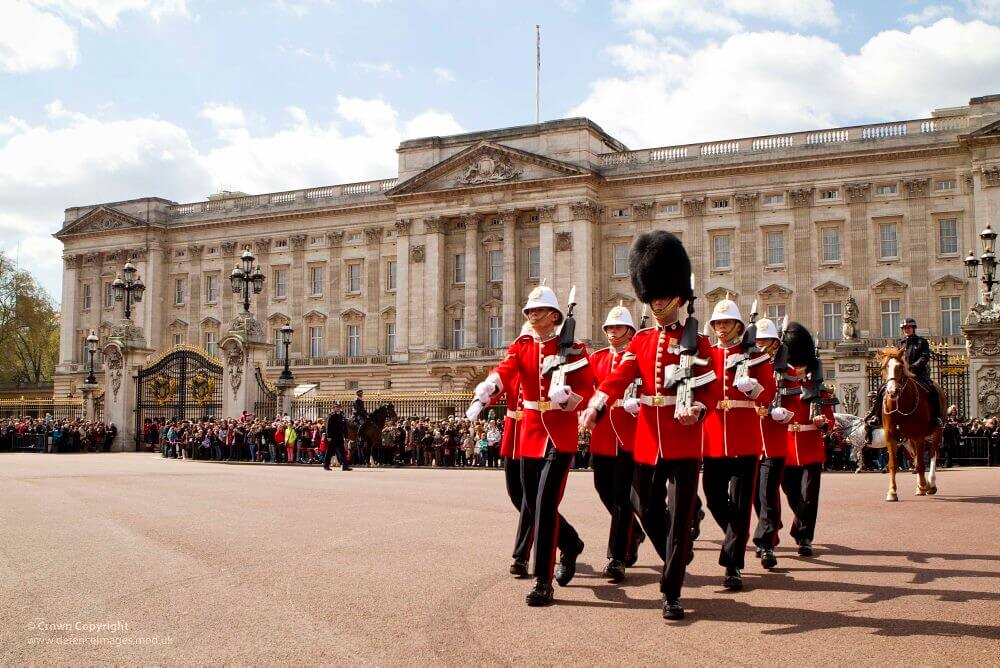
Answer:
x=851 y=312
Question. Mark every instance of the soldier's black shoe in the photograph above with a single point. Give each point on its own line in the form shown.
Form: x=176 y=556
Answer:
x=696 y=525
x=767 y=559
x=759 y=551
x=614 y=571
x=567 y=565
x=805 y=548
x=734 y=580
x=638 y=537
x=672 y=609
x=519 y=568
x=540 y=595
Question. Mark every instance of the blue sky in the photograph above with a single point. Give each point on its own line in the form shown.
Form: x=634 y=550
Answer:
x=111 y=99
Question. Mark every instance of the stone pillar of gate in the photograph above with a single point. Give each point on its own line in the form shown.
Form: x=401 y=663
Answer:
x=982 y=342
x=284 y=396
x=850 y=360
x=88 y=391
x=244 y=347
x=123 y=353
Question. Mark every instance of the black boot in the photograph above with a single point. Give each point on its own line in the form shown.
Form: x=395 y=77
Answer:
x=519 y=568
x=734 y=579
x=614 y=571
x=696 y=524
x=805 y=548
x=541 y=594
x=767 y=558
x=672 y=608
x=638 y=537
x=567 y=565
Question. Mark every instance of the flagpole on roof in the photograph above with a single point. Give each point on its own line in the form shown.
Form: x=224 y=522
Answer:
x=538 y=73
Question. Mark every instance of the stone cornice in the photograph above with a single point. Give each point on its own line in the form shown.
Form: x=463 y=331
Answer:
x=403 y=227
x=643 y=210
x=746 y=201
x=694 y=206
x=916 y=187
x=585 y=210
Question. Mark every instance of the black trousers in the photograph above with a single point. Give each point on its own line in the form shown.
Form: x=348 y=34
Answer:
x=767 y=501
x=801 y=486
x=667 y=493
x=515 y=490
x=613 y=478
x=335 y=448
x=544 y=481
x=729 y=484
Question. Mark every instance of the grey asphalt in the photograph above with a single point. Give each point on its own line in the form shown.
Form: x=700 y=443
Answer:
x=295 y=565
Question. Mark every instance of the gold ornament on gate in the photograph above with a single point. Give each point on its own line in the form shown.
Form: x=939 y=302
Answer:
x=202 y=387
x=164 y=388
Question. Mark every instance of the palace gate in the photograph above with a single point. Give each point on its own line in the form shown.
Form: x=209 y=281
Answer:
x=949 y=370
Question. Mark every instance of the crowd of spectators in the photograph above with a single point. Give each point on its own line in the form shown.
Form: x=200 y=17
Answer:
x=50 y=434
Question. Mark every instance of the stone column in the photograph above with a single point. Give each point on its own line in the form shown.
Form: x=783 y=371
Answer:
x=861 y=241
x=803 y=261
x=372 y=290
x=244 y=348
x=471 y=304
x=297 y=278
x=124 y=352
x=69 y=310
x=511 y=325
x=262 y=253
x=402 y=290
x=850 y=360
x=335 y=296
x=546 y=265
x=88 y=391
x=919 y=245
x=581 y=246
x=751 y=264
x=982 y=333
x=642 y=214
x=154 y=301
x=694 y=241
x=434 y=283
x=194 y=297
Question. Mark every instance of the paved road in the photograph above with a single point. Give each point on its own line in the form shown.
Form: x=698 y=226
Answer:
x=260 y=564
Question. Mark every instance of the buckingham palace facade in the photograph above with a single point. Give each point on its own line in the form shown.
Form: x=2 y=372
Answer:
x=416 y=282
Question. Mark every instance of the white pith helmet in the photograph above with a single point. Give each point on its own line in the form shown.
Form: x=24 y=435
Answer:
x=619 y=315
x=727 y=309
x=542 y=297
x=766 y=329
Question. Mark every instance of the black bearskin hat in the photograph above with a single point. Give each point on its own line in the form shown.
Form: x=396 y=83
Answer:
x=659 y=267
x=801 y=347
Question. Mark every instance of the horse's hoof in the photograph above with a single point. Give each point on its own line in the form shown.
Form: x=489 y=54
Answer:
x=932 y=491
x=920 y=492
x=891 y=496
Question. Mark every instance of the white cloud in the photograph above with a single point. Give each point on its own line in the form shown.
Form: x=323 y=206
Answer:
x=72 y=159
x=443 y=74
x=104 y=13
x=988 y=10
x=723 y=16
x=928 y=14
x=384 y=68
x=760 y=83
x=34 y=40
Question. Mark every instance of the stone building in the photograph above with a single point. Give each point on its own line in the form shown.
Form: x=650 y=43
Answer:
x=416 y=282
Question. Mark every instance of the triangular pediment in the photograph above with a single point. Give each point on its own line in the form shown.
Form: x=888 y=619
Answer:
x=351 y=314
x=619 y=298
x=948 y=282
x=988 y=130
x=720 y=293
x=454 y=307
x=314 y=315
x=486 y=164
x=177 y=323
x=277 y=316
x=775 y=291
x=210 y=322
x=889 y=284
x=101 y=219
x=830 y=288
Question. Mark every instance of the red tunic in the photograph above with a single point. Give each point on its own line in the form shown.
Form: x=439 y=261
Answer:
x=620 y=425
x=508 y=442
x=805 y=441
x=658 y=433
x=732 y=427
x=542 y=420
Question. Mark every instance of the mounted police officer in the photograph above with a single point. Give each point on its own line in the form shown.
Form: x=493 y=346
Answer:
x=917 y=353
x=360 y=415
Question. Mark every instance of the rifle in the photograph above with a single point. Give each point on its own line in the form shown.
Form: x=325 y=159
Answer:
x=682 y=375
x=780 y=366
x=557 y=365
x=643 y=318
x=747 y=347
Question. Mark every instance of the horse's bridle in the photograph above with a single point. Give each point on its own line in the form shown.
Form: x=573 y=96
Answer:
x=896 y=411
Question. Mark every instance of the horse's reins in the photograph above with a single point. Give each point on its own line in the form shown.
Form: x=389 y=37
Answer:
x=897 y=411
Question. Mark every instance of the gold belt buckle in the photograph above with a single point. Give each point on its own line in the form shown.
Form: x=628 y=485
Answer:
x=725 y=404
x=659 y=400
x=762 y=411
x=793 y=427
x=518 y=415
x=544 y=406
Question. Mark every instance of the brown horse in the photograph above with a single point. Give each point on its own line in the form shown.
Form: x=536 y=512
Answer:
x=371 y=431
x=906 y=418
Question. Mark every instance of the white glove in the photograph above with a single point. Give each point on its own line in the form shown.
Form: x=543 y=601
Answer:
x=781 y=415
x=746 y=385
x=631 y=406
x=484 y=391
x=819 y=420
x=560 y=394
x=475 y=408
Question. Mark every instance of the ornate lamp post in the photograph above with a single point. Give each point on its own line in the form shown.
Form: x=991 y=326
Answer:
x=245 y=277
x=989 y=261
x=286 y=341
x=129 y=289
x=91 y=379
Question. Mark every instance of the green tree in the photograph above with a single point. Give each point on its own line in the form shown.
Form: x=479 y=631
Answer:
x=29 y=327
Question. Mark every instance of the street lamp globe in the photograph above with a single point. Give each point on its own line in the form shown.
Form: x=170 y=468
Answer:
x=972 y=265
x=989 y=238
x=118 y=288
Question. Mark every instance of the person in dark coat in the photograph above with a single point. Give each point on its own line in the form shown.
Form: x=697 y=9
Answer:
x=336 y=432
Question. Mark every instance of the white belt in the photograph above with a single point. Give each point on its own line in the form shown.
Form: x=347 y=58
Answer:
x=540 y=406
x=513 y=415
x=658 y=400
x=802 y=427
x=729 y=404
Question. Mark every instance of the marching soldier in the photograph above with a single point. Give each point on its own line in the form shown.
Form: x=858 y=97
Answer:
x=767 y=502
x=669 y=358
x=744 y=382
x=548 y=440
x=811 y=407
x=611 y=448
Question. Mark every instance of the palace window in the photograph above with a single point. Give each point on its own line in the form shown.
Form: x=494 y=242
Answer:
x=946 y=184
x=671 y=207
x=390 y=275
x=887 y=246
x=354 y=278
x=178 y=339
x=354 y=340
x=832 y=319
x=281 y=243
x=315 y=280
x=315 y=342
x=460 y=269
x=890 y=318
x=496 y=266
x=534 y=263
x=775 y=248
x=178 y=291
x=948 y=236
x=458 y=333
x=720 y=203
x=621 y=259
x=279 y=347
x=109 y=295
x=885 y=190
x=774 y=199
x=496 y=331
x=390 y=338
x=620 y=213
x=951 y=321
x=829 y=194
x=211 y=289
x=831 y=244
x=720 y=252
x=211 y=345
x=280 y=282
x=86 y=297
x=775 y=312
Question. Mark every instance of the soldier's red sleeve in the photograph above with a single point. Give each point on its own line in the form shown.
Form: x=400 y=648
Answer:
x=613 y=387
x=509 y=369
x=710 y=393
x=764 y=373
x=582 y=380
